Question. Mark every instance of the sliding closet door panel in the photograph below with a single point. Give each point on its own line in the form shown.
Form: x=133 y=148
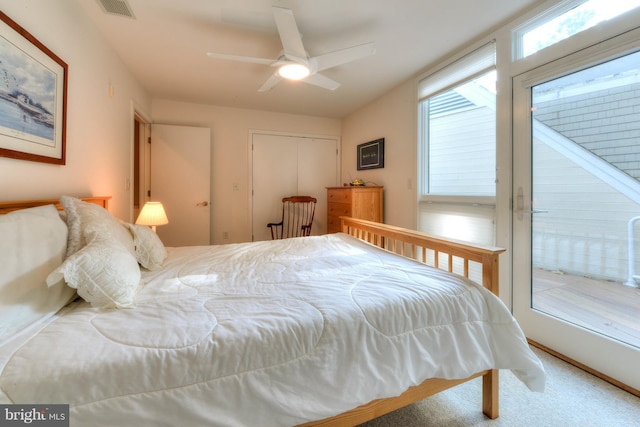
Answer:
x=275 y=175
x=288 y=165
x=317 y=169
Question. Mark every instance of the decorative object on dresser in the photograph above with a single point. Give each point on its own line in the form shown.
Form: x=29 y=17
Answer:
x=363 y=202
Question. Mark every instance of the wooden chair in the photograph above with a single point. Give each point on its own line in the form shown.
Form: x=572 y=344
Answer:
x=297 y=217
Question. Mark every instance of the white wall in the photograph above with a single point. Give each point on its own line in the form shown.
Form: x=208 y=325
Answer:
x=230 y=128
x=392 y=117
x=99 y=128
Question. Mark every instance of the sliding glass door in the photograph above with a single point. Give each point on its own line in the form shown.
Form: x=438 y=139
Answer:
x=576 y=203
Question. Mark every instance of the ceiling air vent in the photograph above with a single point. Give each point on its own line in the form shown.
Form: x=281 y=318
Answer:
x=117 y=7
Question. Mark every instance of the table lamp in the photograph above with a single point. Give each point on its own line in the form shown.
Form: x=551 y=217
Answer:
x=152 y=214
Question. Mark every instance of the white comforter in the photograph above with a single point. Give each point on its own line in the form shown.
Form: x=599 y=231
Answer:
x=267 y=334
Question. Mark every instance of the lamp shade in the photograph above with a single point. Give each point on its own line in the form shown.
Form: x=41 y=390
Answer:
x=152 y=214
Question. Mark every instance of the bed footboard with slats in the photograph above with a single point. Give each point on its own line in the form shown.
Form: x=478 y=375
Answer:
x=453 y=256
x=479 y=263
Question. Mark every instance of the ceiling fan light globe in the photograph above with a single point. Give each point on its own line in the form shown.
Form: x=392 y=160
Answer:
x=293 y=71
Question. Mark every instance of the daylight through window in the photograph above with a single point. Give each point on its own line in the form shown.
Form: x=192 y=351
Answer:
x=566 y=20
x=457 y=146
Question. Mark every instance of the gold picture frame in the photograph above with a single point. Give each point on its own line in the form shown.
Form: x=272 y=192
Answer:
x=33 y=97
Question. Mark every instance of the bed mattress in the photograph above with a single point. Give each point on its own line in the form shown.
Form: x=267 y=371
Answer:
x=267 y=333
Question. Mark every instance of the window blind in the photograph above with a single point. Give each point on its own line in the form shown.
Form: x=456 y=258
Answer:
x=466 y=68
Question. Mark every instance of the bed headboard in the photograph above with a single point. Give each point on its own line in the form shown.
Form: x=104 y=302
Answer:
x=6 y=207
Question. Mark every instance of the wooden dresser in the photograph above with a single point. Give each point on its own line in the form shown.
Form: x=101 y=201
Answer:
x=363 y=202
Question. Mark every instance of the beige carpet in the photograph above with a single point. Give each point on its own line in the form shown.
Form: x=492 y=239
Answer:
x=572 y=398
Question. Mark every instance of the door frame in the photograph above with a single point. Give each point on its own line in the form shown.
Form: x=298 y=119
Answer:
x=253 y=132
x=536 y=325
x=138 y=115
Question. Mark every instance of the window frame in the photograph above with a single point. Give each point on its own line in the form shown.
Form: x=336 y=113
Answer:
x=614 y=26
x=424 y=196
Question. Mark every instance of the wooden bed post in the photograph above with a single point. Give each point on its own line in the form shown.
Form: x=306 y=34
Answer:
x=490 y=394
x=490 y=271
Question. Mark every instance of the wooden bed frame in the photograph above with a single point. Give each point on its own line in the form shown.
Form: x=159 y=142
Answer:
x=6 y=207
x=428 y=250
x=438 y=252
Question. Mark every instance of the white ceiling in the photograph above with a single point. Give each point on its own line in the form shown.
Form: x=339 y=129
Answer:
x=165 y=46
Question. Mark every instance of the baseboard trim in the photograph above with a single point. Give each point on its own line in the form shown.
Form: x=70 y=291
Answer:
x=585 y=368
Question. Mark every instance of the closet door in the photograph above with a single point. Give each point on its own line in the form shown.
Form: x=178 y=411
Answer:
x=288 y=165
x=275 y=175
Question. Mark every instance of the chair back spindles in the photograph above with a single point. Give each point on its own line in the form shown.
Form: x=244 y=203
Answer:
x=297 y=218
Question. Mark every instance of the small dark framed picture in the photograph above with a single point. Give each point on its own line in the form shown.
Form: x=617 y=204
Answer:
x=371 y=155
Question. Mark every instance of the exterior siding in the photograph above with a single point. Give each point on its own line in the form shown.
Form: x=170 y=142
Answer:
x=471 y=133
x=466 y=131
x=605 y=122
x=585 y=229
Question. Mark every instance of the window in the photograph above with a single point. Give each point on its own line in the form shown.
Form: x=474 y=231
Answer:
x=565 y=20
x=457 y=140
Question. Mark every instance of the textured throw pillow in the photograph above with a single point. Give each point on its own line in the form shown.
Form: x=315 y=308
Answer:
x=81 y=214
x=33 y=243
x=150 y=252
x=104 y=271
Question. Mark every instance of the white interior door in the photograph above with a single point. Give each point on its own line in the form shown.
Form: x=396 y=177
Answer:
x=573 y=198
x=285 y=165
x=181 y=180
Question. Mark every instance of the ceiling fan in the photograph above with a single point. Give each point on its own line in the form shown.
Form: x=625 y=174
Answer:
x=294 y=63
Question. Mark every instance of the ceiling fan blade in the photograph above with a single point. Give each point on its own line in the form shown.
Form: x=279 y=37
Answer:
x=271 y=82
x=230 y=57
x=322 y=81
x=289 y=34
x=338 y=57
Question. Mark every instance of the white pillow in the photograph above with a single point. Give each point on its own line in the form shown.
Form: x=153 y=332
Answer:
x=81 y=214
x=104 y=272
x=33 y=243
x=150 y=252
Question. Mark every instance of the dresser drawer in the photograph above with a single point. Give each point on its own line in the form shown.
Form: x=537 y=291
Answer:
x=338 y=209
x=333 y=224
x=339 y=195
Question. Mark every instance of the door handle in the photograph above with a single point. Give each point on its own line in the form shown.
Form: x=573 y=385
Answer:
x=203 y=204
x=533 y=211
x=520 y=210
